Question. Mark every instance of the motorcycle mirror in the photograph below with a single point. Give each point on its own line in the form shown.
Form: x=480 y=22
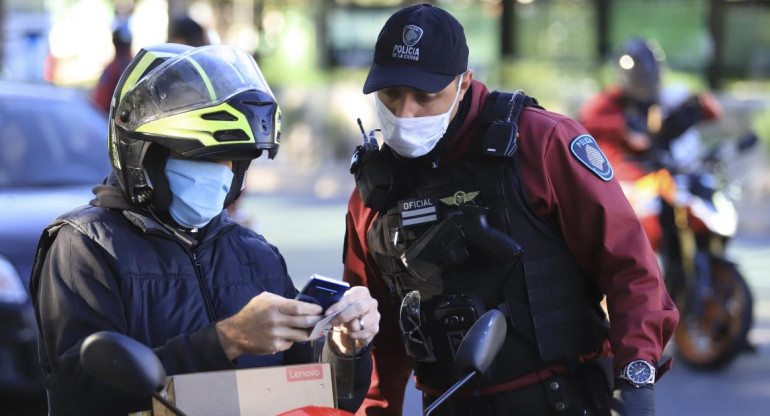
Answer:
x=477 y=350
x=123 y=363
x=481 y=343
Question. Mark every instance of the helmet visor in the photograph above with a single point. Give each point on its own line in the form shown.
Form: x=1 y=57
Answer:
x=201 y=77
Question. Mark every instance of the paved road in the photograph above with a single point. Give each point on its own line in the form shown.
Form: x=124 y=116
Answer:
x=309 y=233
x=743 y=388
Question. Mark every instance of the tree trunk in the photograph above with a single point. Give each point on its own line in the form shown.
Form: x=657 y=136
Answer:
x=716 y=29
x=508 y=30
x=603 y=30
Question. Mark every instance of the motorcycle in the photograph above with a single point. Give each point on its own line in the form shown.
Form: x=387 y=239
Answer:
x=698 y=218
x=132 y=367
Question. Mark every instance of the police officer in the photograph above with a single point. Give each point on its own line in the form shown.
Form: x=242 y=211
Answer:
x=480 y=201
x=154 y=255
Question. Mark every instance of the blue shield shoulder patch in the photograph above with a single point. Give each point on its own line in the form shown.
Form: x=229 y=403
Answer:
x=586 y=150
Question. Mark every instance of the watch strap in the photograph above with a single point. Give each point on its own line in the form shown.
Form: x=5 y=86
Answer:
x=621 y=383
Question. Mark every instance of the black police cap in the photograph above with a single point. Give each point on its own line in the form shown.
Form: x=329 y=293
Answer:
x=420 y=46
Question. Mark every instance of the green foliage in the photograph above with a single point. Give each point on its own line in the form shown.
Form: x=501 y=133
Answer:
x=760 y=124
x=292 y=56
x=678 y=26
x=560 y=88
x=556 y=56
x=556 y=29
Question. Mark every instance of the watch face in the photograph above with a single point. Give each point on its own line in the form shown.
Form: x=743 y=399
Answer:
x=640 y=372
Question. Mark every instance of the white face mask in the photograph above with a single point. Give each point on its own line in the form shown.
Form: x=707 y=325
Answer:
x=415 y=136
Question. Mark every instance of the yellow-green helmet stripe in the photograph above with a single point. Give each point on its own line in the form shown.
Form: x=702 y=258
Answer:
x=139 y=69
x=190 y=125
x=234 y=70
x=206 y=80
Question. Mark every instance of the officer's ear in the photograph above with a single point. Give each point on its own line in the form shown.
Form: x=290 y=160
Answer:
x=466 y=83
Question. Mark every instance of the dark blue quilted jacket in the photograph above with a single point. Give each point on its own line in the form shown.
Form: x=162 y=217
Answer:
x=106 y=268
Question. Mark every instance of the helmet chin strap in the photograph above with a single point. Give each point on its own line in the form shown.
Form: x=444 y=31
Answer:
x=154 y=165
x=186 y=239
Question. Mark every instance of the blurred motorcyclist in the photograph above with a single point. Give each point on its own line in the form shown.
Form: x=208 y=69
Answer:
x=637 y=121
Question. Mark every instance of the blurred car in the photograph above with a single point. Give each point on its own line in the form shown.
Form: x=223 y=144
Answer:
x=52 y=152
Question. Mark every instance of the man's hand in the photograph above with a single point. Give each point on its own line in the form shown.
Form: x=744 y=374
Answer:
x=358 y=322
x=628 y=400
x=710 y=107
x=266 y=325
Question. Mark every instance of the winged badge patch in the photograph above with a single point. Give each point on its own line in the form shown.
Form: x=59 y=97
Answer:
x=460 y=198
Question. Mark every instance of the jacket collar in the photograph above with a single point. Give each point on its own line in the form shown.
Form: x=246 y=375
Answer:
x=459 y=142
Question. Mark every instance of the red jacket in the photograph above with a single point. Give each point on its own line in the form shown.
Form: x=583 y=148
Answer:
x=598 y=225
x=102 y=94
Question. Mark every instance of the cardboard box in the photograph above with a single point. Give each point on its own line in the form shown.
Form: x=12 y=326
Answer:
x=265 y=391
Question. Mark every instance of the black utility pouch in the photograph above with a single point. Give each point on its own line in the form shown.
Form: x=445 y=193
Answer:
x=450 y=321
x=457 y=313
x=439 y=249
x=502 y=138
x=375 y=179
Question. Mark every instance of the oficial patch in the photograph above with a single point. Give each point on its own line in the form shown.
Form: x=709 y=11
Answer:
x=417 y=211
x=586 y=150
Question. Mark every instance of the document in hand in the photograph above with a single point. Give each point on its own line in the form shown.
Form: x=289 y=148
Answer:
x=324 y=325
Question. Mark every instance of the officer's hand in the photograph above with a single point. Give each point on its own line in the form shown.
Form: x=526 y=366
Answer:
x=358 y=323
x=628 y=400
x=266 y=325
x=709 y=106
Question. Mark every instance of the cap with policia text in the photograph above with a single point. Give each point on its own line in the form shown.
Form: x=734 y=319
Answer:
x=420 y=46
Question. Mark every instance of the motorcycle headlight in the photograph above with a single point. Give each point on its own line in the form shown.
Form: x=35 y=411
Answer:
x=11 y=287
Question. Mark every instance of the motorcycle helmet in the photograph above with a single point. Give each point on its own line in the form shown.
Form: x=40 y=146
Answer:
x=210 y=103
x=638 y=65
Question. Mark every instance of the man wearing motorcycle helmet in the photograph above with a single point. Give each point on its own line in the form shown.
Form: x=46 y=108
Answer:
x=155 y=256
x=482 y=200
x=638 y=121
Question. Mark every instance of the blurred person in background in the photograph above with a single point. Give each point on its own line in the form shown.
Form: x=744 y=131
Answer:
x=121 y=40
x=638 y=122
x=186 y=31
x=483 y=200
x=155 y=257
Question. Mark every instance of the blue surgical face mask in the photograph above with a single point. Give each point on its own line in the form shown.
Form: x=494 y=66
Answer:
x=198 y=190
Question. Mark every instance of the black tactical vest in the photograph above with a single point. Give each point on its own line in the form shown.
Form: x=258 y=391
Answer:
x=466 y=237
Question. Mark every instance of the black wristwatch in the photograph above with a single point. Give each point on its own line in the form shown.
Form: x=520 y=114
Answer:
x=638 y=373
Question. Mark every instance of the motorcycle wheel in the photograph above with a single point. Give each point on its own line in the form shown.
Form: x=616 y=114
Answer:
x=712 y=339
